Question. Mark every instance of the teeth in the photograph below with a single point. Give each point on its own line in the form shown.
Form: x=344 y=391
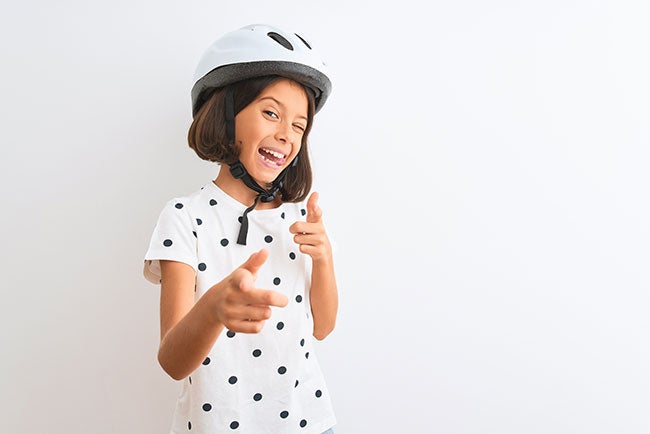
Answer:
x=275 y=154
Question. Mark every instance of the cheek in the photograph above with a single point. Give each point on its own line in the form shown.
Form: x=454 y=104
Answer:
x=246 y=150
x=296 y=149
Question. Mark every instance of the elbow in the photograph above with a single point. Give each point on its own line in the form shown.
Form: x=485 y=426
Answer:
x=175 y=376
x=321 y=333
x=169 y=370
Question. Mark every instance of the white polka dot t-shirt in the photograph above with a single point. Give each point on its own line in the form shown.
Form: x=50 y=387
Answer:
x=249 y=383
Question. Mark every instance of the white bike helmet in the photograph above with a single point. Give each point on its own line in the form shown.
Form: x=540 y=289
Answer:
x=258 y=50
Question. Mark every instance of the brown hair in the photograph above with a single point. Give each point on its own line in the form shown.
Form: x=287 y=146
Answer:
x=207 y=134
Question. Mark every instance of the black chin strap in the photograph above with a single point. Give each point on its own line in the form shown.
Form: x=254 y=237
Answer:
x=243 y=229
x=238 y=171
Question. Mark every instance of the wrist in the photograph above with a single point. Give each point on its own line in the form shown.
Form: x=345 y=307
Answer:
x=210 y=306
x=324 y=260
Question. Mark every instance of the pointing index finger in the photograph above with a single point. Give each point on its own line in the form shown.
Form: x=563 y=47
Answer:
x=267 y=297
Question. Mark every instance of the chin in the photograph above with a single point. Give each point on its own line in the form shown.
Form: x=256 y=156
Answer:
x=266 y=177
x=264 y=181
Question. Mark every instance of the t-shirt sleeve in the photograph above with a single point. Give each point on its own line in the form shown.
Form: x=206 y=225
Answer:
x=172 y=239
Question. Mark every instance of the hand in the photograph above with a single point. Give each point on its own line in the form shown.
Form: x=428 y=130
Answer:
x=239 y=305
x=310 y=235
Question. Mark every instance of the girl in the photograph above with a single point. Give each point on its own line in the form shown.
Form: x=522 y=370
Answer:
x=245 y=267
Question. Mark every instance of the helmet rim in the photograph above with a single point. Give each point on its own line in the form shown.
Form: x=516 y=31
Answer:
x=224 y=75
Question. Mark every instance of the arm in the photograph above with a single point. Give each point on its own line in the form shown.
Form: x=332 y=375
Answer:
x=186 y=332
x=189 y=331
x=324 y=297
x=313 y=240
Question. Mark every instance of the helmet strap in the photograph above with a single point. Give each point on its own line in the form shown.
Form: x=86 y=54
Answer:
x=230 y=115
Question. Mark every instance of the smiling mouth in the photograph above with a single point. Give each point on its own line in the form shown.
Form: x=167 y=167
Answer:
x=273 y=157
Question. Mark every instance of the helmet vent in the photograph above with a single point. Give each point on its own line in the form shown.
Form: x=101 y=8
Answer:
x=280 y=40
x=303 y=40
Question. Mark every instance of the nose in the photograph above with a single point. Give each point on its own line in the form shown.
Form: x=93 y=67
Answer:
x=283 y=133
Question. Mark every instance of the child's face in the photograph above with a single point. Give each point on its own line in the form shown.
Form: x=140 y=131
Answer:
x=269 y=130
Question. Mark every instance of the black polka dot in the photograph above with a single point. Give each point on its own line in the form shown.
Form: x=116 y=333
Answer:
x=292 y=256
x=268 y=238
x=282 y=370
x=199 y=221
x=232 y=380
x=189 y=425
x=190 y=378
x=276 y=281
x=296 y=385
x=303 y=423
x=318 y=394
x=224 y=242
x=213 y=202
x=202 y=266
x=234 y=424
x=298 y=298
x=280 y=325
x=303 y=211
x=194 y=232
x=230 y=334
x=284 y=414
x=257 y=353
x=206 y=361
x=240 y=218
x=307 y=355
x=167 y=243
x=207 y=407
x=302 y=342
x=179 y=205
x=282 y=215
x=257 y=396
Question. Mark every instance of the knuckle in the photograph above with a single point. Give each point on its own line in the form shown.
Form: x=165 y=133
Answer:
x=229 y=300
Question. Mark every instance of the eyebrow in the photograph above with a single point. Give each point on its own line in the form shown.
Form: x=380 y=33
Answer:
x=281 y=105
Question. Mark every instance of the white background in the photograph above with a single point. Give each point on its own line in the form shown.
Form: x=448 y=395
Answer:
x=483 y=167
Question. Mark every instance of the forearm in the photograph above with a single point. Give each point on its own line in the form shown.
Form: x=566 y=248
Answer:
x=185 y=346
x=324 y=297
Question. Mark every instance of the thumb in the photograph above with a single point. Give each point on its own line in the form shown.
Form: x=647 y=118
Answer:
x=314 y=213
x=255 y=262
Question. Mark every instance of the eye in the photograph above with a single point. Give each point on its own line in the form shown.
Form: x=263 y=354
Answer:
x=299 y=127
x=271 y=114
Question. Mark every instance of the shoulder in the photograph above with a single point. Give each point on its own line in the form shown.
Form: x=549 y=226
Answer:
x=196 y=200
x=190 y=204
x=183 y=211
